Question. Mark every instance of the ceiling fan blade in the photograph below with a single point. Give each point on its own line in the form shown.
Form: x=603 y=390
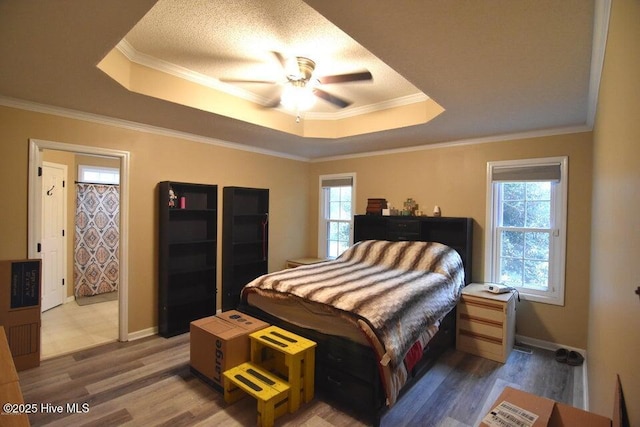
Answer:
x=274 y=99
x=344 y=78
x=273 y=103
x=339 y=102
x=248 y=81
x=280 y=57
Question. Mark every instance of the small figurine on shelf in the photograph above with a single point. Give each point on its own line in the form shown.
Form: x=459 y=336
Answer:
x=436 y=211
x=410 y=207
x=172 y=198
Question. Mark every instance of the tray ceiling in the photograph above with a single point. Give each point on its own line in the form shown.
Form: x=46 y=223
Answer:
x=494 y=67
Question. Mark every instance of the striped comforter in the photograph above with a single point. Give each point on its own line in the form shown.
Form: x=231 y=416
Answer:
x=391 y=290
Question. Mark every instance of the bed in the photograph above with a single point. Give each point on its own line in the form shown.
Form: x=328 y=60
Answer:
x=381 y=312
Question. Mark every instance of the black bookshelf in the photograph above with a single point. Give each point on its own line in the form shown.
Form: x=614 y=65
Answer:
x=245 y=240
x=187 y=255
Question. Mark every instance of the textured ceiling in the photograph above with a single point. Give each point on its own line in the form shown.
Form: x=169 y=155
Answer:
x=231 y=39
x=496 y=66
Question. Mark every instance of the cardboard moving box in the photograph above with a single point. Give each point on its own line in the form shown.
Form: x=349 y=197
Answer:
x=20 y=293
x=10 y=387
x=221 y=342
x=525 y=409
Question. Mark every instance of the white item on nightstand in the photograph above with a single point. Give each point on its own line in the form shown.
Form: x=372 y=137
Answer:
x=497 y=288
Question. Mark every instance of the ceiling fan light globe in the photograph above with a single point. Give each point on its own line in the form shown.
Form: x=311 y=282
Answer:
x=297 y=98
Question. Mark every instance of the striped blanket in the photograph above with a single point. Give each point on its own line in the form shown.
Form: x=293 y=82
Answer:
x=393 y=290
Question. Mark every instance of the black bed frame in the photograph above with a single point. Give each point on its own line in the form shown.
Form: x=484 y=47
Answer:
x=347 y=372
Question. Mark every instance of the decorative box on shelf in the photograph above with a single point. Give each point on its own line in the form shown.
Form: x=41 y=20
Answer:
x=375 y=206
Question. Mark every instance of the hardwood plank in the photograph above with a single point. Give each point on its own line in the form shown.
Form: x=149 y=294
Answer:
x=146 y=369
x=149 y=382
x=490 y=397
x=116 y=418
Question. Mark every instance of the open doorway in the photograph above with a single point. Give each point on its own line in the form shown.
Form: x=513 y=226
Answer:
x=71 y=326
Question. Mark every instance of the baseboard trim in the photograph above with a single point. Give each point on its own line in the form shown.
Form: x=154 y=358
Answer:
x=132 y=336
x=547 y=345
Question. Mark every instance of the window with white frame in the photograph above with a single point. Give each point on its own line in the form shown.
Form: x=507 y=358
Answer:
x=526 y=226
x=98 y=174
x=337 y=206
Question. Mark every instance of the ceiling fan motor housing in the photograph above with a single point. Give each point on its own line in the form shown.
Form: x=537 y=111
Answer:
x=304 y=71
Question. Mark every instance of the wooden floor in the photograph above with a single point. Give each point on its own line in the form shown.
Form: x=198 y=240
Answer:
x=148 y=383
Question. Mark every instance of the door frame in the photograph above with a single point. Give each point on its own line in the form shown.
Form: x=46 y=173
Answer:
x=35 y=212
x=65 y=196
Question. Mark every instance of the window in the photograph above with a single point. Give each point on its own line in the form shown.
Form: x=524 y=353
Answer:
x=526 y=226
x=98 y=175
x=336 y=214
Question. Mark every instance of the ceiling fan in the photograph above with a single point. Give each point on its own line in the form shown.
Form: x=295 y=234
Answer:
x=300 y=88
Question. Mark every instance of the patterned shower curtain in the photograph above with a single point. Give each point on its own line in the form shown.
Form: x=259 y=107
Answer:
x=96 y=266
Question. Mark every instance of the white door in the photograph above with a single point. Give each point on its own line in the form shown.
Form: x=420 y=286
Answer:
x=54 y=196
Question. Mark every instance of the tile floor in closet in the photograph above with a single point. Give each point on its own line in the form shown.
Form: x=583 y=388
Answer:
x=69 y=327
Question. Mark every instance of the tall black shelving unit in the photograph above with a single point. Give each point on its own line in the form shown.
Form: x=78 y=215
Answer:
x=245 y=240
x=187 y=255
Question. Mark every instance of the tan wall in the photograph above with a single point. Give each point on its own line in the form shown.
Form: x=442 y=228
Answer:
x=154 y=158
x=455 y=179
x=614 y=315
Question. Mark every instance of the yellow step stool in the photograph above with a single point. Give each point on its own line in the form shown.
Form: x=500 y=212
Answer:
x=271 y=392
x=297 y=361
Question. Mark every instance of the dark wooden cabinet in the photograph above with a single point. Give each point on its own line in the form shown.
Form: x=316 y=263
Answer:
x=187 y=255
x=454 y=232
x=245 y=240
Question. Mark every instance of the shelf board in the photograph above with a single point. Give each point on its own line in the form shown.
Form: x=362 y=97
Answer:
x=244 y=263
x=176 y=271
x=192 y=242
x=248 y=243
x=192 y=210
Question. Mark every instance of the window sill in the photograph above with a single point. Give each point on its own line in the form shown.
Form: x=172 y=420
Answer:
x=544 y=299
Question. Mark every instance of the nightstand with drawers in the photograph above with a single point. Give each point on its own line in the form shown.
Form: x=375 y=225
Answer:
x=486 y=323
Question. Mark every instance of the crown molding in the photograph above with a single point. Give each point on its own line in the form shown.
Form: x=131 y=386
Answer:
x=135 y=126
x=357 y=111
x=183 y=73
x=473 y=141
x=125 y=124
x=602 y=13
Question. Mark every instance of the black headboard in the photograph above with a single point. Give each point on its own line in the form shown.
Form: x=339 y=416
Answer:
x=454 y=232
